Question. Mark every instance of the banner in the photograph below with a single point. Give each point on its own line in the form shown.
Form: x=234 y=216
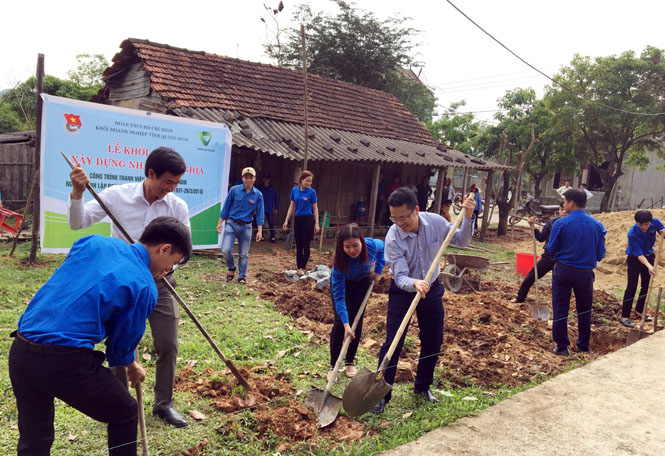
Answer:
x=111 y=144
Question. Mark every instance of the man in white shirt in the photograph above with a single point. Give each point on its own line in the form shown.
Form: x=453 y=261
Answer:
x=589 y=195
x=135 y=205
x=564 y=188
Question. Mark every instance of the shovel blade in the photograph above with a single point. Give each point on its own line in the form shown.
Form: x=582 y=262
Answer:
x=534 y=311
x=544 y=312
x=329 y=411
x=315 y=399
x=634 y=335
x=364 y=392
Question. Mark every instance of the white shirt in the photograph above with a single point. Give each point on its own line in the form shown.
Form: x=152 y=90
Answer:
x=128 y=205
x=563 y=189
x=589 y=195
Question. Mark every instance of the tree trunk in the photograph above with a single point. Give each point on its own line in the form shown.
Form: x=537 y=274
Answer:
x=537 y=180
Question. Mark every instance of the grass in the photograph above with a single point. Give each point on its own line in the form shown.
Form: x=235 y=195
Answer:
x=249 y=331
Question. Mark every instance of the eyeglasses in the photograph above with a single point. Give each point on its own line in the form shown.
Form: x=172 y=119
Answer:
x=401 y=219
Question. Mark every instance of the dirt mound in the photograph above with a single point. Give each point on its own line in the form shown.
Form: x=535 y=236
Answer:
x=272 y=401
x=488 y=340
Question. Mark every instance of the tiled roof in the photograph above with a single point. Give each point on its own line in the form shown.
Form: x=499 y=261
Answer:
x=263 y=106
x=191 y=79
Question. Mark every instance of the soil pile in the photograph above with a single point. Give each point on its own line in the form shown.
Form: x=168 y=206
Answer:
x=273 y=401
x=488 y=340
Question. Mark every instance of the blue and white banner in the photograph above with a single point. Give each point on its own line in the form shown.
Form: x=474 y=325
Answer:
x=111 y=145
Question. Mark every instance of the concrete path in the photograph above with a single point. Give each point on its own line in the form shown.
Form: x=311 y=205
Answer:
x=612 y=406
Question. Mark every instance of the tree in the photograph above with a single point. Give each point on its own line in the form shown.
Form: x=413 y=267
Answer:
x=516 y=131
x=357 y=47
x=18 y=106
x=613 y=108
x=458 y=131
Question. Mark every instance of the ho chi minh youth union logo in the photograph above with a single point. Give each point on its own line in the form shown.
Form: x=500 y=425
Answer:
x=72 y=123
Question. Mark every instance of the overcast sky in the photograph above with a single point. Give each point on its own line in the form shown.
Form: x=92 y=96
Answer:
x=459 y=60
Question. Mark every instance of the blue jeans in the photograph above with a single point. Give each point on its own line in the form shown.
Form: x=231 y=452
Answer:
x=243 y=233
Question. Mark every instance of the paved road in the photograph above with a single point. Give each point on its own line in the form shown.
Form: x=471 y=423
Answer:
x=613 y=406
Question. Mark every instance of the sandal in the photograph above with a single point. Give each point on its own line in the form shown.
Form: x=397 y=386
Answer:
x=230 y=275
x=242 y=282
x=626 y=322
x=350 y=370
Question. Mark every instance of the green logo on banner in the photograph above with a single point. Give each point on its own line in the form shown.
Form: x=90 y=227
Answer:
x=205 y=137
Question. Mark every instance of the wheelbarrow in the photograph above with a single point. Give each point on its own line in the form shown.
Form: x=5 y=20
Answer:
x=452 y=274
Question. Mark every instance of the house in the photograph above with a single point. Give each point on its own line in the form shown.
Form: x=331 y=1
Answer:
x=353 y=133
x=635 y=189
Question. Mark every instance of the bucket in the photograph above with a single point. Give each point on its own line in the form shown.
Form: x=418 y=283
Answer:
x=524 y=263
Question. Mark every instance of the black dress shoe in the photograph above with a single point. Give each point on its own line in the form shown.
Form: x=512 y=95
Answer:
x=426 y=395
x=626 y=322
x=561 y=351
x=378 y=408
x=646 y=317
x=171 y=416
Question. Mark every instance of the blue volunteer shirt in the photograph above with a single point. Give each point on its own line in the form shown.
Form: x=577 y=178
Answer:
x=103 y=290
x=577 y=240
x=641 y=243
x=303 y=200
x=270 y=198
x=241 y=205
x=479 y=202
x=357 y=271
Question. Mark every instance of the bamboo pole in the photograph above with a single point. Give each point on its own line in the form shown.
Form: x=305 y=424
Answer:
x=38 y=145
x=323 y=229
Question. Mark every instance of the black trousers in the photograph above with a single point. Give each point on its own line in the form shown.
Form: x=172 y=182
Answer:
x=475 y=220
x=564 y=282
x=303 y=231
x=430 y=324
x=355 y=292
x=164 y=329
x=636 y=270
x=545 y=265
x=77 y=377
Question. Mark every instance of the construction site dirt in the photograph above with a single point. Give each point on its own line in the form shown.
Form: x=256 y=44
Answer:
x=489 y=341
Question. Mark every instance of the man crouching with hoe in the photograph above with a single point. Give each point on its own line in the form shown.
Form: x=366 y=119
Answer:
x=103 y=291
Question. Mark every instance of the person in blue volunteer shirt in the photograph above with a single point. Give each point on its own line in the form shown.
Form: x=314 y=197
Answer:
x=577 y=243
x=103 y=291
x=351 y=277
x=479 y=205
x=240 y=205
x=270 y=203
x=640 y=262
x=306 y=222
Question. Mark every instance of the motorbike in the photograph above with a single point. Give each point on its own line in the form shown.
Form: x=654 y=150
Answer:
x=457 y=204
x=530 y=206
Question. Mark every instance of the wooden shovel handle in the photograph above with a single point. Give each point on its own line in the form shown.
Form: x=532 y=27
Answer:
x=535 y=261
x=651 y=282
x=416 y=299
x=139 y=401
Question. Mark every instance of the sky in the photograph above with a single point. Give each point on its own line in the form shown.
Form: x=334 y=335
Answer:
x=458 y=60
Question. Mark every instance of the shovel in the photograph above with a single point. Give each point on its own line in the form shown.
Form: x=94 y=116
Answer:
x=139 y=401
x=324 y=402
x=368 y=388
x=538 y=311
x=636 y=334
x=234 y=370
